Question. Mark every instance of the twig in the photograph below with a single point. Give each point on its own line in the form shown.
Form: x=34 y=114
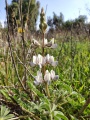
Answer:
x=3 y=87
x=20 y=117
x=24 y=65
x=88 y=116
x=31 y=114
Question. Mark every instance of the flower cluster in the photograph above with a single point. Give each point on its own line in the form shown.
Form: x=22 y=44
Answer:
x=44 y=76
x=41 y=61
x=43 y=24
x=50 y=44
x=47 y=77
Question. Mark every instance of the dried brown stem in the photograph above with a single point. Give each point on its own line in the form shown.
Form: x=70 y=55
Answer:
x=9 y=44
x=24 y=45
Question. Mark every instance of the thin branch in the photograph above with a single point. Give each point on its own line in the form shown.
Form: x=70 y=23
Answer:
x=31 y=114
x=88 y=116
x=3 y=87
x=22 y=117
x=24 y=65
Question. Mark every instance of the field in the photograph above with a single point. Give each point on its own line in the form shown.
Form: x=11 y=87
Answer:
x=44 y=75
x=68 y=97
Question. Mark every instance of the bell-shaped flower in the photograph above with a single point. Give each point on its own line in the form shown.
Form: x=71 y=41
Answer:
x=34 y=62
x=38 y=78
x=45 y=41
x=47 y=58
x=38 y=60
x=35 y=59
x=54 y=46
x=51 y=44
x=50 y=76
x=54 y=64
x=53 y=76
x=47 y=76
x=35 y=42
x=50 y=60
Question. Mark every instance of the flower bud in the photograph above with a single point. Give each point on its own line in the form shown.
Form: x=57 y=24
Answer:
x=43 y=24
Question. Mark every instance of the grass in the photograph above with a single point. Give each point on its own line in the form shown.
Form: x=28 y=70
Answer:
x=67 y=95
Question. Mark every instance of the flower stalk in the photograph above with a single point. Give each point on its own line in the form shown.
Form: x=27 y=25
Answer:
x=44 y=76
x=43 y=27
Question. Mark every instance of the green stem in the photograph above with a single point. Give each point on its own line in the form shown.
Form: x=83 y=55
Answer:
x=47 y=90
x=43 y=68
x=51 y=117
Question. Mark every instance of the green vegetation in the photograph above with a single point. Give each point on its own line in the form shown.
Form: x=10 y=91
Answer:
x=4 y=114
x=26 y=11
x=22 y=92
x=67 y=95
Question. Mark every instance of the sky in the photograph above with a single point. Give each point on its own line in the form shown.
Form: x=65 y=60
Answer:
x=71 y=9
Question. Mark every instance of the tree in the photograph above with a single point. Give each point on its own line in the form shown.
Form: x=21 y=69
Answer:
x=27 y=9
x=50 y=22
x=57 y=21
x=0 y=25
x=68 y=24
x=61 y=19
x=82 y=18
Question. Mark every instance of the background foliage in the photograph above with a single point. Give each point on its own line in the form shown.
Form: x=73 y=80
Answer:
x=70 y=94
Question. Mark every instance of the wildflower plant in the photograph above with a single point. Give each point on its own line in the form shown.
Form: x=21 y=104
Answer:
x=44 y=76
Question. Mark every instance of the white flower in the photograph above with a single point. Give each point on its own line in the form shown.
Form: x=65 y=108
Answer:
x=53 y=76
x=32 y=64
x=47 y=58
x=54 y=46
x=54 y=64
x=50 y=60
x=38 y=60
x=50 y=76
x=45 y=41
x=35 y=59
x=50 y=44
x=38 y=78
x=47 y=76
x=36 y=42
